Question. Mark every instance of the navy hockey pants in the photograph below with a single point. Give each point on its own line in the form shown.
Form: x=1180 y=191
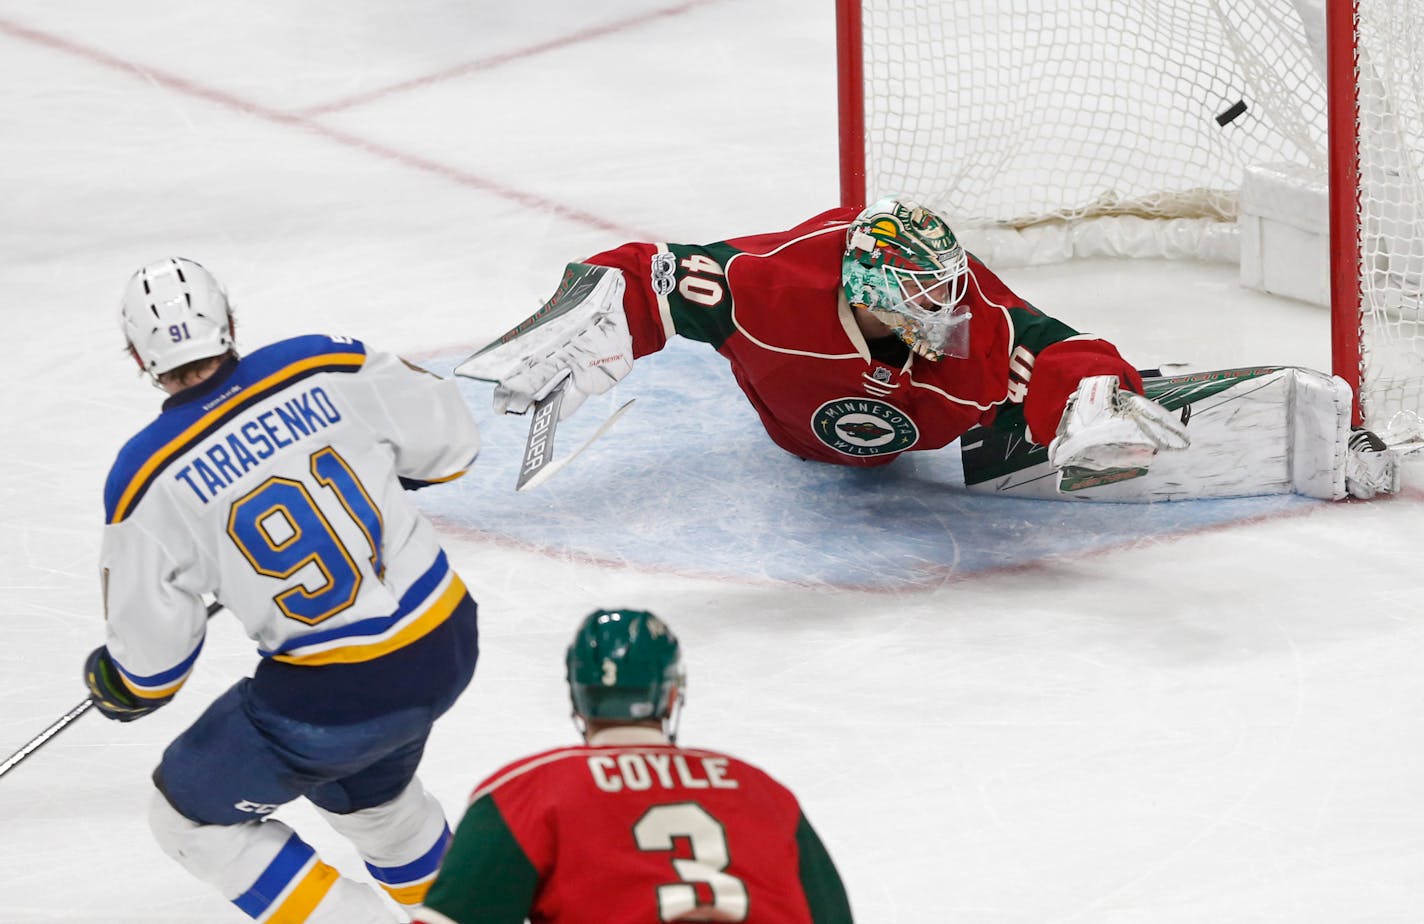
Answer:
x=346 y=737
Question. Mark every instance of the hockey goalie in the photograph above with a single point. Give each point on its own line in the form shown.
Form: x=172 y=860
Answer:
x=860 y=335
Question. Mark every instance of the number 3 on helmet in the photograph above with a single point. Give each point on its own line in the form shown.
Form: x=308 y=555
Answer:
x=174 y=312
x=625 y=665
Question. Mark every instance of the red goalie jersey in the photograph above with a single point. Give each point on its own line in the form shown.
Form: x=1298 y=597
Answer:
x=771 y=305
x=632 y=830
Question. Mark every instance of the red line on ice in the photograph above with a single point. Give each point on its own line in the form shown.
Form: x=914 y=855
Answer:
x=306 y=124
x=484 y=64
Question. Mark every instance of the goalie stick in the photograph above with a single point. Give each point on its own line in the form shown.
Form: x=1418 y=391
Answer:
x=63 y=722
x=539 y=449
x=539 y=445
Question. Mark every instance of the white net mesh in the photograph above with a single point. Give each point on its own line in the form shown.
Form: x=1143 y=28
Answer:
x=1038 y=118
x=1013 y=112
x=1391 y=149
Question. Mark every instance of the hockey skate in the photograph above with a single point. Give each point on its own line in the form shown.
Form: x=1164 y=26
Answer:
x=1106 y=429
x=1371 y=467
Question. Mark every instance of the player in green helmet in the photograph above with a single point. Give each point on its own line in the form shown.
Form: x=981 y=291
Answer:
x=629 y=826
x=624 y=666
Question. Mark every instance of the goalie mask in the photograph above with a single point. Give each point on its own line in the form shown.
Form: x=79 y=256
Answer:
x=174 y=312
x=905 y=266
x=625 y=665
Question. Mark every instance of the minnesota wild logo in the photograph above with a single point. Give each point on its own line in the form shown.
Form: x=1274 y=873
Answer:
x=863 y=427
x=909 y=237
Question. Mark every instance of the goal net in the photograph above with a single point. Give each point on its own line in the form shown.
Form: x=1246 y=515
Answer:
x=1048 y=129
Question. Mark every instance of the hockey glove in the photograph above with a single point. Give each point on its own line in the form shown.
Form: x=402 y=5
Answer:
x=1105 y=427
x=591 y=358
x=107 y=690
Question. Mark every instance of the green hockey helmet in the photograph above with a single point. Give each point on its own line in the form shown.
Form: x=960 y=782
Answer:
x=624 y=664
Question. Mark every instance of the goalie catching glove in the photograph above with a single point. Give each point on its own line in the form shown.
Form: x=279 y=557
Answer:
x=590 y=353
x=1106 y=428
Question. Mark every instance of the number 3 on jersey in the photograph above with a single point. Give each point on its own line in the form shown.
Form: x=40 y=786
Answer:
x=705 y=892
x=280 y=529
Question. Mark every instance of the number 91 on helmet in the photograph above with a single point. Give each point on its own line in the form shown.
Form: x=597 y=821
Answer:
x=173 y=313
x=625 y=666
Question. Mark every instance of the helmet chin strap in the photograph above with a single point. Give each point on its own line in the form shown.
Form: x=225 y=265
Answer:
x=674 y=714
x=669 y=722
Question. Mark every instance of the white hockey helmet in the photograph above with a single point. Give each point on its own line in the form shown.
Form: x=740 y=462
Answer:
x=174 y=312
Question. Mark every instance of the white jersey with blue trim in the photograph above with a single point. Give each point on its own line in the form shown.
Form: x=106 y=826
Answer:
x=275 y=486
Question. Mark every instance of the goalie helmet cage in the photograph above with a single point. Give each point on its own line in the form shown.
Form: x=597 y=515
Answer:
x=1047 y=129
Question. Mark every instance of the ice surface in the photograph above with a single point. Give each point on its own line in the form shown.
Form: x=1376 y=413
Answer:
x=1038 y=712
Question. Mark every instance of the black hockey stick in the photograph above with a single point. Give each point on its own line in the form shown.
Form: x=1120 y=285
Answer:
x=63 y=722
x=38 y=741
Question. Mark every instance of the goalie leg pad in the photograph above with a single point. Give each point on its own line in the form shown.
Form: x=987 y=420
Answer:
x=1330 y=459
x=1254 y=431
x=401 y=842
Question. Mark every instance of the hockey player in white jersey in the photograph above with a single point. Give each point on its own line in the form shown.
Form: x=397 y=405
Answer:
x=275 y=482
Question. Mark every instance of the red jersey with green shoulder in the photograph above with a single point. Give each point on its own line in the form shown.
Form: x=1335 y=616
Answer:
x=631 y=834
x=770 y=304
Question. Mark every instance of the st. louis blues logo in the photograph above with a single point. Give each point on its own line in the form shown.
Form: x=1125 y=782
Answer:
x=863 y=427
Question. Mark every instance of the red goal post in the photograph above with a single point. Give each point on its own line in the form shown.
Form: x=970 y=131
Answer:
x=1048 y=129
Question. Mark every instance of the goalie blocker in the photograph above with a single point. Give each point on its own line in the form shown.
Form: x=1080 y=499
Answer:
x=577 y=340
x=1254 y=431
x=576 y=345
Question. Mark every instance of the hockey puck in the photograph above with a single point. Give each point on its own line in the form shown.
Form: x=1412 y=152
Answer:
x=1232 y=114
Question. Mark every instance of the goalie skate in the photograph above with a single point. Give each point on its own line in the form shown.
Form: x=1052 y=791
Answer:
x=1107 y=429
x=1371 y=467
